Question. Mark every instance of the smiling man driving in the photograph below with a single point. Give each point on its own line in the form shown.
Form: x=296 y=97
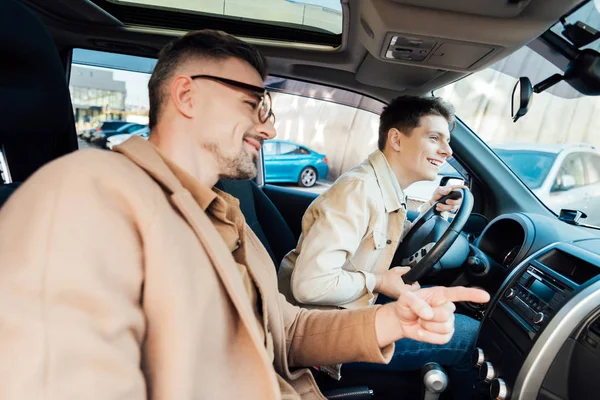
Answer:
x=351 y=232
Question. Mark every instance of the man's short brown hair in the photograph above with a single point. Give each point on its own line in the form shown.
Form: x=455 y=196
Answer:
x=209 y=44
x=404 y=113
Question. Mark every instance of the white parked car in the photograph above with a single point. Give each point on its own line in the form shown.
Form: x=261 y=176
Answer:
x=115 y=140
x=561 y=176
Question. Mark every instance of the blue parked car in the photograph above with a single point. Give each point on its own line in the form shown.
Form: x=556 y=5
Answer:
x=287 y=161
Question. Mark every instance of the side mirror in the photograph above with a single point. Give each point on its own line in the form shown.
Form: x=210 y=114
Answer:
x=564 y=183
x=521 y=98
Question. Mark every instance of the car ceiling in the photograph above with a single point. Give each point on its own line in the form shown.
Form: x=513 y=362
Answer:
x=465 y=36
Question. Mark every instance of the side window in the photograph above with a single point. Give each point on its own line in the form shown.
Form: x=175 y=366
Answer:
x=106 y=93
x=592 y=166
x=571 y=173
x=288 y=149
x=332 y=129
x=133 y=128
x=335 y=130
x=269 y=148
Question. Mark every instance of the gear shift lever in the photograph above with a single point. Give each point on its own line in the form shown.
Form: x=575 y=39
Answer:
x=435 y=380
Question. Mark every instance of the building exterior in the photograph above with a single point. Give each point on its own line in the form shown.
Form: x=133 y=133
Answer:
x=96 y=97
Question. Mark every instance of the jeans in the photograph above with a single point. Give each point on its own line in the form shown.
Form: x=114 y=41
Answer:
x=455 y=356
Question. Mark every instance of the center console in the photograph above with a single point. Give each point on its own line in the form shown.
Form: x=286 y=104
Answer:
x=533 y=314
x=535 y=297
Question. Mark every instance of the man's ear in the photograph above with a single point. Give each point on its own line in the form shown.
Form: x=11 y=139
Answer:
x=181 y=95
x=395 y=139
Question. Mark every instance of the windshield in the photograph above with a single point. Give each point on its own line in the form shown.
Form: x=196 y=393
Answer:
x=553 y=149
x=531 y=166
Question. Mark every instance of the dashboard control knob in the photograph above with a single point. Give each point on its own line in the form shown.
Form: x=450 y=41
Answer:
x=475 y=264
x=486 y=372
x=510 y=293
x=498 y=389
x=539 y=317
x=477 y=357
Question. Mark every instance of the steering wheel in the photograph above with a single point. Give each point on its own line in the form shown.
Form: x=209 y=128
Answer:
x=424 y=234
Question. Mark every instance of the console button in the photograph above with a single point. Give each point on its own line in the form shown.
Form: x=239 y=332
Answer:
x=524 y=308
x=486 y=372
x=498 y=389
x=539 y=318
x=510 y=293
x=477 y=357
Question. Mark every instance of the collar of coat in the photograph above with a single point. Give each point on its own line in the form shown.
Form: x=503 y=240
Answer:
x=393 y=196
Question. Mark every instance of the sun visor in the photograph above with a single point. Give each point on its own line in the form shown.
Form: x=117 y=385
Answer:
x=395 y=77
x=488 y=8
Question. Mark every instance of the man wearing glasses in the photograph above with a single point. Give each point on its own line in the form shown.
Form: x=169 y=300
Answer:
x=179 y=299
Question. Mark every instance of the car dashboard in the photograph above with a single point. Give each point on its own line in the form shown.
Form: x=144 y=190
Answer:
x=539 y=336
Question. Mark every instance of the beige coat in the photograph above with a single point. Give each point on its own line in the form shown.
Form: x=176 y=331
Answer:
x=349 y=234
x=115 y=285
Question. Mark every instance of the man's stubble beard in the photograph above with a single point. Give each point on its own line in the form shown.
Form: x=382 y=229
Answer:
x=239 y=166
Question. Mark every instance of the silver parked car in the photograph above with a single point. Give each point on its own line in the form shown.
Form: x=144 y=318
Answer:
x=117 y=139
x=561 y=176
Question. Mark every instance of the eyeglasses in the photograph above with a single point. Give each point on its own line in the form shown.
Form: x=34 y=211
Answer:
x=265 y=113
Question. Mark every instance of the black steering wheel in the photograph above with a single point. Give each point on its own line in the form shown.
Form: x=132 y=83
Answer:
x=421 y=249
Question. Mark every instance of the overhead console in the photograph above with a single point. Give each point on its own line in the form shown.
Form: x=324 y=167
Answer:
x=434 y=52
x=460 y=36
x=538 y=308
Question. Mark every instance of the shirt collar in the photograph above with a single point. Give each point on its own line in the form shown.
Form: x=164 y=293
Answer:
x=204 y=196
x=171 y=176
x=393 y=196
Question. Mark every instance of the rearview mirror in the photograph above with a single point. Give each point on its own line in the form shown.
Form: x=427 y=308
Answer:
x=564 y=183
x=521 y=98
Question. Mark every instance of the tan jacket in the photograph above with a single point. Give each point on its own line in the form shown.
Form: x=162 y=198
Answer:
x=115 y=285
x=349 y=234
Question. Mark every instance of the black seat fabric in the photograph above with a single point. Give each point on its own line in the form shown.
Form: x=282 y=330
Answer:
x=262 y=216
x=6 y=191
x=35 y=106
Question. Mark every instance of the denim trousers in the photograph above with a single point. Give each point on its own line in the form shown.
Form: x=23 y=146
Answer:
x=454 y=356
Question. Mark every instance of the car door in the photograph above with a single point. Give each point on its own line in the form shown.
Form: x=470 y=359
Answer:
x=140 y=130
x=568 y=190
x=270 y=149
x=132 y=129
x=592 y=189
x=290 y=161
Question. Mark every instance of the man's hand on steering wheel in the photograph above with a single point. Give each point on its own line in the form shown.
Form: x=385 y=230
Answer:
x=423 y=234
x=450 y=205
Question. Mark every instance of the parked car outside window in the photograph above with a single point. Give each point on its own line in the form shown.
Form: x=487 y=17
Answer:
x=291 y=162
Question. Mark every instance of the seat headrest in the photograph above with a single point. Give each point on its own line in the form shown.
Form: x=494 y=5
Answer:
x=35 y=107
